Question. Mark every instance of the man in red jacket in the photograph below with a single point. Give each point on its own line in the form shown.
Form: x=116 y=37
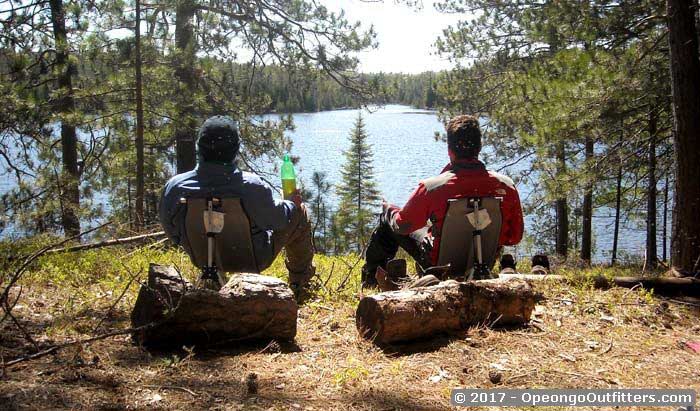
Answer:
x=464 y=176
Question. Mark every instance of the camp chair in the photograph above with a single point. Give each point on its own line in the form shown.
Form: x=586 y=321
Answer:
x=469 y=238
x=218 y=237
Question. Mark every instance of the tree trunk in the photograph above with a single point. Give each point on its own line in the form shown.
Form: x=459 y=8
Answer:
x=665 y=228
x=250 y=306
x=129 y=203
x=139 y=206
x=65 y=105
x=447 y=307
x=151 y=194
x=651 y=256
x=685 y=74
x=326 y=218
x=618 y=197
x=185 y=60
x=587 y=233
x=562 y=244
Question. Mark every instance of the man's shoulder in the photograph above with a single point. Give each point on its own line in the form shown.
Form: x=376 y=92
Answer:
x=178 y=179
x=252 y=179
x=502 y=178
x=440 y=180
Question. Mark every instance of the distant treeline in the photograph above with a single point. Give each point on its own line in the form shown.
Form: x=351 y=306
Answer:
x=293 y=92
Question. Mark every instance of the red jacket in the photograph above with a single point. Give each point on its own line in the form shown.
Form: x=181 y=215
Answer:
x=464 y=178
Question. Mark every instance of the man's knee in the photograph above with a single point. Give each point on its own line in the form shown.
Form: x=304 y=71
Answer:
x=298 y=238
x=299 y=218
x=304 y=219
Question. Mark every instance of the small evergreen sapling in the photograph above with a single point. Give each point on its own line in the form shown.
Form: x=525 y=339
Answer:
x=359 y=197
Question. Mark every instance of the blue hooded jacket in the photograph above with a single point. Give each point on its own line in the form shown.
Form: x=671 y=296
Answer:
x=266 y=213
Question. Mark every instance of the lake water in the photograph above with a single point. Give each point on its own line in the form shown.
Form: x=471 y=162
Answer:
x=405 y=151
x=402 y=141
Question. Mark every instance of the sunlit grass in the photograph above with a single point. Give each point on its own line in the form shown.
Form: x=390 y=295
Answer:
x=96 y=278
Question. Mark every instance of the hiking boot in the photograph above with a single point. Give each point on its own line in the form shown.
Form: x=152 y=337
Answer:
x=393 y=276
x=384 y=282
x=302 y=284
x=369 y=273
x=396 y=270
x=302 y=293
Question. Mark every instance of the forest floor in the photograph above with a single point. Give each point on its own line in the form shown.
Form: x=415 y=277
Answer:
x=579 y=338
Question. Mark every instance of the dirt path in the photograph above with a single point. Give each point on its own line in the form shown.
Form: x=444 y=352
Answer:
x=579 y=339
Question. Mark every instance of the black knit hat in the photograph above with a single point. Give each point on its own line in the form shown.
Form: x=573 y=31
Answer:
x=217 y=139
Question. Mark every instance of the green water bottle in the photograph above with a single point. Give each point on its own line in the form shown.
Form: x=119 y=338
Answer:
x=289 y=178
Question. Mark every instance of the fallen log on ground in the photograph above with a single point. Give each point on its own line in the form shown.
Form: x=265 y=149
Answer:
x=447 y=307
x=665 y=286
x=249 y=306
x=108 y=243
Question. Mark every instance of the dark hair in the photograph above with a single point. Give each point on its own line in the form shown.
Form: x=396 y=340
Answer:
x=464 y=136
x=217 y=139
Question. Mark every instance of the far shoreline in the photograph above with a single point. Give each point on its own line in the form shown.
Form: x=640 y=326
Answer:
x=418 y=110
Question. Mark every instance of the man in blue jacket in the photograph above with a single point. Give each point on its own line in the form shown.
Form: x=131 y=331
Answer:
x=274 y=223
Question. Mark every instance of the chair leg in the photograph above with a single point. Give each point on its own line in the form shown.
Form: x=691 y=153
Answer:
x=481 y=271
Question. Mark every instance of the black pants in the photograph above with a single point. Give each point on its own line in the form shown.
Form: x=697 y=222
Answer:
x=384 y=244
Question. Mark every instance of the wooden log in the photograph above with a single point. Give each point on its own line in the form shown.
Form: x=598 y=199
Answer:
x=249 y=306
x=665 y=286
x=447 y=307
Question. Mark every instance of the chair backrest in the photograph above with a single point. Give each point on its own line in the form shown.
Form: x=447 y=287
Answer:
x=233 y=245
x=457 y=236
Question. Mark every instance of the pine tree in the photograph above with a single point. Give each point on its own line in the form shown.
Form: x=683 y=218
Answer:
x=359 y=196
x=321 y=188
x=685 y=69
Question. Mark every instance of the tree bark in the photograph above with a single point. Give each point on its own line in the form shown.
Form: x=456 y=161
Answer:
x=587 y=212
x=250 y=306
x=666 y=286
x=562 y=243
x=447 y=307
x=618 y=197
x=665 y=227
x=186 y=46
x=651 y=257
x=69 y=185
x=139 y=206
x=685 y=75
